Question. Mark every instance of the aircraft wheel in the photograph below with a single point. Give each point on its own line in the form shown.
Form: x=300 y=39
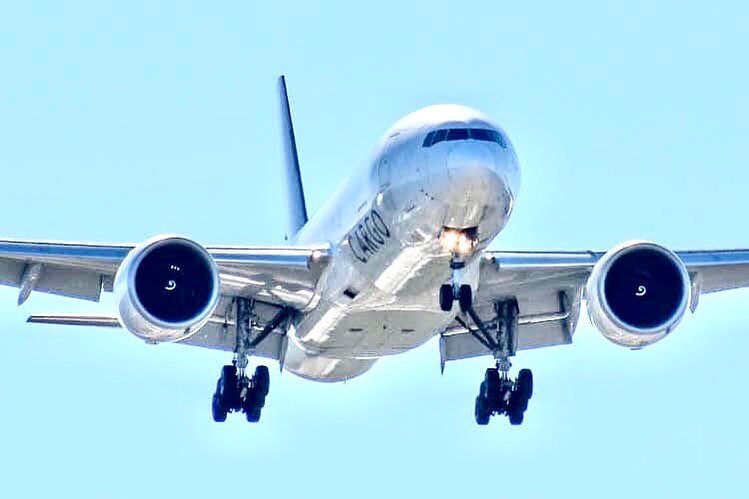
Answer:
x=516 y=417
x=465 y=297
x=518 y=402
x=218 y=409
x=261 y=380
x=228 y=384
x=481 y=412
x=447 y=297
x=253 y=405
x=493 y=384
x=253 y=415
x=525 y=383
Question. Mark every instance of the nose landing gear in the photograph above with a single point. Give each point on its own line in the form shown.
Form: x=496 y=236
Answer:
x=456 y=291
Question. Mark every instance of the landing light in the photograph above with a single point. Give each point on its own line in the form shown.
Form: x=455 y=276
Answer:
x=458 y=241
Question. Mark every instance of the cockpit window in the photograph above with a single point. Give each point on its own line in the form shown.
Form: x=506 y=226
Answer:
x=457 y=134
x=449 y=134
x=434 y=137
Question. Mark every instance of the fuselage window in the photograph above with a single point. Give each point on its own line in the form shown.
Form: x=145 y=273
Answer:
x=450 y=134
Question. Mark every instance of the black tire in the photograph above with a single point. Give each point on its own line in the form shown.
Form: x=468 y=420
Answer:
x=481 y=411
x=493 y=384
x=253 y=406
x=525 y=383
x=259 y=399
x=516 y=418
x=261 y=380
x=218 y=409
x=518 y=402
x=253 y=416
x=465 y=297
x=447 y=297
x=228 y=387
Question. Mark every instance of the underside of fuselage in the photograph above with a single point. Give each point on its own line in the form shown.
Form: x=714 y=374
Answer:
x=378 y=296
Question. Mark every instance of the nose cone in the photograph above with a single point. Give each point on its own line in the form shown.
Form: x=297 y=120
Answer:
x=477 y=184
x=471 y=164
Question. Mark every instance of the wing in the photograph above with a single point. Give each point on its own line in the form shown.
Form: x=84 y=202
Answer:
x=275 y=276
x=548 y=287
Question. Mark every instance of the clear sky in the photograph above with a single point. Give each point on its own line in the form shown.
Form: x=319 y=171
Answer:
x=121 y=122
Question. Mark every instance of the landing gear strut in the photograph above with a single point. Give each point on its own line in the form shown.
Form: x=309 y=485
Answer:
x=498 y=393
x=235 y=391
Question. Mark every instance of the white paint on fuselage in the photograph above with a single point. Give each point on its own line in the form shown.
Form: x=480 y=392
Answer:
x=383 y=226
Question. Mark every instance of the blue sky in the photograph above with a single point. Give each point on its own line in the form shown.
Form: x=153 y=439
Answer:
x=118 y=122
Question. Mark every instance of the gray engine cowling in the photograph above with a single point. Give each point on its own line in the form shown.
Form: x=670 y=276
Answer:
x=166 y=289
x=637 y=293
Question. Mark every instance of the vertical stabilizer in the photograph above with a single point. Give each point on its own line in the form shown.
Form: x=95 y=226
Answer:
x=297 y=209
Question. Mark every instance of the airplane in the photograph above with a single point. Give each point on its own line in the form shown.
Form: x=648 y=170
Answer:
x=397 y=256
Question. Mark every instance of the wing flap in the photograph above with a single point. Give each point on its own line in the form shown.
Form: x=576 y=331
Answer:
x=75 y=270
x=218 y=334
x=53 y=279
x=75 y=320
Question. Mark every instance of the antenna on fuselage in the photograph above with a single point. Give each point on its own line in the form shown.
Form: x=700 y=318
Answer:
x=297 y=208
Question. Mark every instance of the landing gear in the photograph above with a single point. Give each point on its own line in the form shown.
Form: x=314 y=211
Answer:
x=235 y=391
x=456 y=290
x=498 y=394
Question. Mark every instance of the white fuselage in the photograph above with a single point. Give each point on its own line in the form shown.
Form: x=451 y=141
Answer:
x=379 y=293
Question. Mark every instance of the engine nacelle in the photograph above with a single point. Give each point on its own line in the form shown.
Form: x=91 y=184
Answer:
x=166 y=289
x=637 y=293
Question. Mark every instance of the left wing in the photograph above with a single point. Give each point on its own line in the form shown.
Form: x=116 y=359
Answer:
x=77 y=270
x=275 y=276
x=548 y=287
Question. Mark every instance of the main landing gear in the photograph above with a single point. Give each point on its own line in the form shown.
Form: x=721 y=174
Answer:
x=498 y=393
x=235 y=391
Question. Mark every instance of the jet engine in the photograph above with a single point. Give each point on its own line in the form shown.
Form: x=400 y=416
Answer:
x=637 y=293
x=166 y=289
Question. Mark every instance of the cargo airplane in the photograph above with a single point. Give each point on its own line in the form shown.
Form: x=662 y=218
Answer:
x=398 y=255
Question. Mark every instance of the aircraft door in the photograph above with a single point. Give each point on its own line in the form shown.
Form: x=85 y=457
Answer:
x=384 y=172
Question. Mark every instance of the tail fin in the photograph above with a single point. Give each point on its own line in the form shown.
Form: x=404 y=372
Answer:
x=297 y=209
